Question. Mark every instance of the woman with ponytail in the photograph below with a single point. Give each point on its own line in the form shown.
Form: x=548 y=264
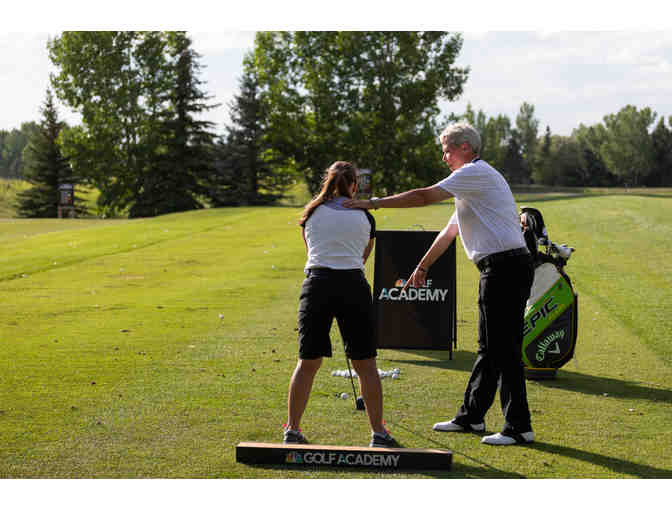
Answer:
x=338 y=242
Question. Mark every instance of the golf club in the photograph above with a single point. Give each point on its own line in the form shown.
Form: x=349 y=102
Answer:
x=359 y=401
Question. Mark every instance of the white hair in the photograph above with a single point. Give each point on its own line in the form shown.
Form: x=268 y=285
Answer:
x=459 y=133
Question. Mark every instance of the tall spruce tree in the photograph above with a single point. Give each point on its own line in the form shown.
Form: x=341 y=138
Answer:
x=245 y=175
x=541 y=169
x=527 y=127
x=514 y=166
x=176 y=179
x=48 y=168
x=226 y=182
x=661 y=139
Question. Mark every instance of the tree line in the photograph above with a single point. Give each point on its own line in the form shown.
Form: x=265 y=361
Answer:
x=13 y=144
x=625 y=149
x=305 y=99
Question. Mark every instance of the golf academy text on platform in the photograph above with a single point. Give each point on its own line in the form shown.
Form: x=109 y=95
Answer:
x=343 y=459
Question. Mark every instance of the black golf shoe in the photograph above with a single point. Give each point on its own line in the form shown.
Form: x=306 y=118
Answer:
x=383 y=441
x=294 y=437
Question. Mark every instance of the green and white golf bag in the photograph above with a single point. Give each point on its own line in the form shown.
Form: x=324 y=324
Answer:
x=551 y=315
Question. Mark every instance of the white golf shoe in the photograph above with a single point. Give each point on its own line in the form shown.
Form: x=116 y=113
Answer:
x=451 y=426
x=502 y=440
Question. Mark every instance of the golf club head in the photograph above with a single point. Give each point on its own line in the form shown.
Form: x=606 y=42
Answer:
x=562 y=250
x=360 y=404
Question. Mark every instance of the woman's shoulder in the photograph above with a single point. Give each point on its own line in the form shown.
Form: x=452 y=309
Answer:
x=336 y=204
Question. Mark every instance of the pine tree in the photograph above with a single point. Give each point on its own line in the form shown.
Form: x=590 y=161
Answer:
x=662 y=155
x=542 y=168
x=227 y=182
x=47 y=170
x=244 y=174
x=176 y=180
x=514 y=166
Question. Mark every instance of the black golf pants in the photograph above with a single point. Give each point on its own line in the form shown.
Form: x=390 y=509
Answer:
x=503 y=292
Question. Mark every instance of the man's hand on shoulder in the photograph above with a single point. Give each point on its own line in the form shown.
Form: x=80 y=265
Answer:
x=358 y=204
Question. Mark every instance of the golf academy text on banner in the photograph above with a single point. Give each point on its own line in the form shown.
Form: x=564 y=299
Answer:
x=424 y=293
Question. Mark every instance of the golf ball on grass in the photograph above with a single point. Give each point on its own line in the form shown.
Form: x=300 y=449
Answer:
x=344 y=396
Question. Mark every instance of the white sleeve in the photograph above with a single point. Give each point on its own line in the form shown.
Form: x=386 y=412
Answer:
x=469 y=180
x=453 y=219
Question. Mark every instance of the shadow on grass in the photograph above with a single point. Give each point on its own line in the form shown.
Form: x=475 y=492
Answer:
x=462 y=360
x=649 y=195
x=580 y=191
x=481 y=470
x=531 y=197
x=484 y=470
x=624 y=467
x=618 y=388
x=568 y=381
x=457 y=471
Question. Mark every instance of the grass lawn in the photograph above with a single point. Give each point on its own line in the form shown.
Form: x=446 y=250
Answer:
x=149 y=348
x=8 y=191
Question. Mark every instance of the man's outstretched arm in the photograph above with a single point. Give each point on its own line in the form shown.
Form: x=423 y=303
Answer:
x=414 y=198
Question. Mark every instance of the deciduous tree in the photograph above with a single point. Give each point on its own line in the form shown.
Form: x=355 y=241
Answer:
x=13 y=144
x=370 y=97
x=628 y=149
x=139 y=143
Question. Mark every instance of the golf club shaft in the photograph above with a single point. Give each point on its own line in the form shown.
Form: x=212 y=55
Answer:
x=354 y=392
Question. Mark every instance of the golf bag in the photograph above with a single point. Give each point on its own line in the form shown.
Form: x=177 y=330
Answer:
x=551 y=314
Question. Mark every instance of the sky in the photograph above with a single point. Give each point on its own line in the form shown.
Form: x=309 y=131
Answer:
x=574 y=64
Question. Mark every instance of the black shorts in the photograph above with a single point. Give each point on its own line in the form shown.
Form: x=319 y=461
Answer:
x=342 y=294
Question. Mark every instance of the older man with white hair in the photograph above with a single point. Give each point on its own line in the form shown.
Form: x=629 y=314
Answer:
x=488 y=224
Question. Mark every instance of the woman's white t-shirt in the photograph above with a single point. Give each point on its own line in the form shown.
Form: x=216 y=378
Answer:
x=337 y=237
x=485 y=210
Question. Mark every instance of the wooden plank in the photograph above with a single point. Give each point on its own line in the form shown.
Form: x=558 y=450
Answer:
x=300 y=455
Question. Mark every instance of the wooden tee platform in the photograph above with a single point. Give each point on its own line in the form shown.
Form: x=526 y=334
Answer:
x=300 y=455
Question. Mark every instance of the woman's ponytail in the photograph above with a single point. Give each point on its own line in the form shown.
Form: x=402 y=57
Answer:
x=338 y=177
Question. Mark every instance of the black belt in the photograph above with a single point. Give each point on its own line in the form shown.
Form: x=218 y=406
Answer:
x=491 y=260
x=327 y=271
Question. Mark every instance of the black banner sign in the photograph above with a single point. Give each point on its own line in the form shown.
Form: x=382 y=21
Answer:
x=415 y=318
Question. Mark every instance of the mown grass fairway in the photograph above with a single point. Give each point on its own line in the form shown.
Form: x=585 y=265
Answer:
x=150 y=348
